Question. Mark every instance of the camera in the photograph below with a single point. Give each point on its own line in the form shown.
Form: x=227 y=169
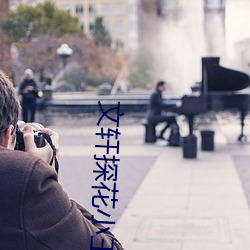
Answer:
x=38 y=137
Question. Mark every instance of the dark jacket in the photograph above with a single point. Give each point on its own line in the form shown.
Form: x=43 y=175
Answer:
x=35 y=212
x=31 y=94
x=155 y=104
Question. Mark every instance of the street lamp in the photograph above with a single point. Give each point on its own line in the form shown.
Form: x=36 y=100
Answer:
x=64 y=51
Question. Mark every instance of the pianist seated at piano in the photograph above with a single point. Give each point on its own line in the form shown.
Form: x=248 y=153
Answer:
x=155 y=107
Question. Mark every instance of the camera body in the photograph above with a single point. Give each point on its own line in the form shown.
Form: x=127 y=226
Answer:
x=38 y=137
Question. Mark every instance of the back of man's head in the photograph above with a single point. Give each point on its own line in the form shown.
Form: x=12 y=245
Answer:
x=9 y=104
x=160 y=84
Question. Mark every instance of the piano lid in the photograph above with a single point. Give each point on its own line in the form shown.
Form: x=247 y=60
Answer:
x=218 y=78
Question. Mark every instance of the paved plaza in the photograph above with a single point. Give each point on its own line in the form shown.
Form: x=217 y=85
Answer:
x=166 y=201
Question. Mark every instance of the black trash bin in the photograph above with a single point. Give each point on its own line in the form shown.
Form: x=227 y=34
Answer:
x=189 y=146
x=207 y=140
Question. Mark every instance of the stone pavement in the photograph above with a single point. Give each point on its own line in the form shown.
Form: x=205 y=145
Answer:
x=165 y=201
x=189 y=204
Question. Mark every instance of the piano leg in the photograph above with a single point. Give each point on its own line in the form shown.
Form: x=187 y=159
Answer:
x=190 y=123
x=243 y=114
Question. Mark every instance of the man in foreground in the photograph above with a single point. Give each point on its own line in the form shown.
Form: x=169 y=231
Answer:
x=35 y=212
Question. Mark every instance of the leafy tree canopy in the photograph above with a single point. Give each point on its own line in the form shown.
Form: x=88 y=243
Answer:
x=42 y=18
x=100 y=33
x=98 y=63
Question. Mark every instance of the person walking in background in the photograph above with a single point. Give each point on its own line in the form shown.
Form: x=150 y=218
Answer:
x=29 y=92
x=154 y=110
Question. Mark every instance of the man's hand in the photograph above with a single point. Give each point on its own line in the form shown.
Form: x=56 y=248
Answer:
x=45 y=153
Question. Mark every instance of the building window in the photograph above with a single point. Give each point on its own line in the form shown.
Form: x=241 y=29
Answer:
x=132 y=26
x=119 y=44
x=132 y=10
x=119 y=9
x=214 y=4
x=119 y=27
x=106 y=9
x=107 y=25
x=92 y=10
x=91 y=27
x=67 y=8
x=82 y=26
x=79 y=10
x=170 y=4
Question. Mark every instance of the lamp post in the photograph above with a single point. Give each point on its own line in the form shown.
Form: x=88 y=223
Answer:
x=64 y=51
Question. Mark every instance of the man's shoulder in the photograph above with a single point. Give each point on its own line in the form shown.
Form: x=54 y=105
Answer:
x=17 y=161
x=22 y=163
x=16 y=169
x=156 y=95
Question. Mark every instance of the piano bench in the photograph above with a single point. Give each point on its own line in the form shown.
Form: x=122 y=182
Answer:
x=150 y=132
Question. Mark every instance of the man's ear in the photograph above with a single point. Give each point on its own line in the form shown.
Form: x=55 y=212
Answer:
x=7 y=140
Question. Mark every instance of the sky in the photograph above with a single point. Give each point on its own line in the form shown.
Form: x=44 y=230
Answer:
x=237 y=22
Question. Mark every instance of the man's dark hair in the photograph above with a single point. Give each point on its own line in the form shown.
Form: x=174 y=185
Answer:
x=9 y=104
x=159 y=84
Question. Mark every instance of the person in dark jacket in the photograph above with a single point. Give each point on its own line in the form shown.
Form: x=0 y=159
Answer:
x=35 y=212
x=155 y=107
x=29 y=92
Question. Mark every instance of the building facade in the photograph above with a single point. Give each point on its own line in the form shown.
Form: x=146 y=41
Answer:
x=120 y=18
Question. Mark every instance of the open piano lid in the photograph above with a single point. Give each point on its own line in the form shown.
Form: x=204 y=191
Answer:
x=217 y=78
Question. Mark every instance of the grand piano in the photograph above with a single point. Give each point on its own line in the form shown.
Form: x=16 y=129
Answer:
x=220 y=89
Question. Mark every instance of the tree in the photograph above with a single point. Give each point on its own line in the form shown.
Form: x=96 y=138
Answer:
x=96 y=64
x=141 y=74
x=5 y=63
x=42 y=18
x=100 y=33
